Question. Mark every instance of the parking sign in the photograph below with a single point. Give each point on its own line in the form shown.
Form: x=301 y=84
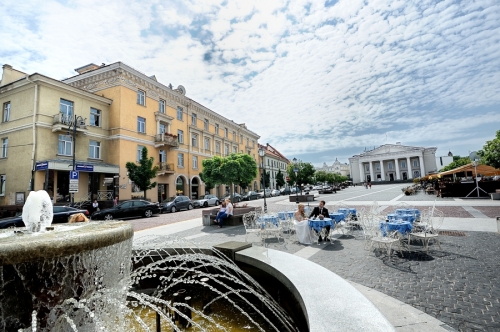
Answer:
x=73 y=175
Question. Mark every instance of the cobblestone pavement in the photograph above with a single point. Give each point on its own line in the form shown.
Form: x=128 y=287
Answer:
x=490 y=211
x=448 y=211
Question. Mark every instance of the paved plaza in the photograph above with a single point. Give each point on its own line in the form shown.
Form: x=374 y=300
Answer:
x=458 y=285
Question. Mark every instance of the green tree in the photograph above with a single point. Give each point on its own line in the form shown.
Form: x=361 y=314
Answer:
x=490 y=154
x=280 y=179
x=321 y=176
x=142 y=174
x=208 y=184
x=305 y=174
x=237 y=168
x=457 y=163
x=265 y=179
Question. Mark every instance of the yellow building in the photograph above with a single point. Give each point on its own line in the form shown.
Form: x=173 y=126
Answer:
x=37 y=142
x=118 y=111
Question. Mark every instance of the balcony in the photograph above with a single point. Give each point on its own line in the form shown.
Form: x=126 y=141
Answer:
x=166 y=139
x=62 y=122
x=165 y=168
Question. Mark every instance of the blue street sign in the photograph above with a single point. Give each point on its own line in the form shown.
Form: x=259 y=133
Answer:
x=41 y=165
x=84 y=167
x=73 y=175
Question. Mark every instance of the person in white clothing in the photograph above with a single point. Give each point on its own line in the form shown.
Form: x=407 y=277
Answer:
x=304 y=233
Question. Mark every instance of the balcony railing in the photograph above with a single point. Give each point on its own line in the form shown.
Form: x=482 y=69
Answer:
x=167 y=139
x=61 y=122
x=165 y=168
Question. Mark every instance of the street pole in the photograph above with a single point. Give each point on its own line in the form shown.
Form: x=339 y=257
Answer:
x=296 y=171
x=74 y=157
x=262 y=153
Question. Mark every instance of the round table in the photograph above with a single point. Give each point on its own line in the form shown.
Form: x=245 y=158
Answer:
x=337 y=216
x=414 y=212
x=268 y=219
x=318 y=224
x=403 y=227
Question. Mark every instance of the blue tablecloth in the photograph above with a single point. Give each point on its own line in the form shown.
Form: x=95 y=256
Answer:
x=318 y=225
x=285 y=214
x=268 y=219
x=414 y=212
x=343 y=211
x=392 y=216
x=403 y=217
x=337 y=216
x=353 y=211
x=402 y=227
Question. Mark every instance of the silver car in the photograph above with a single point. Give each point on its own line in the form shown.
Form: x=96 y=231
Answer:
x=207 y=200
x=275 y=192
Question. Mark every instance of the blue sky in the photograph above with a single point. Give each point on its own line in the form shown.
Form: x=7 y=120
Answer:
x=318 y=80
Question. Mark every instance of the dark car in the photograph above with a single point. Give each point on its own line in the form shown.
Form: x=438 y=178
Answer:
x=132 y=208
x=251 y=195
x=61 y=215
x=237 y=198
x=176 y=203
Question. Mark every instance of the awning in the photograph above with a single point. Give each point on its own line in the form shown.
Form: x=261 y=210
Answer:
x=481 y=169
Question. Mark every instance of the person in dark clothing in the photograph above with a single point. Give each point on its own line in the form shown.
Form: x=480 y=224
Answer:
x=321 y=212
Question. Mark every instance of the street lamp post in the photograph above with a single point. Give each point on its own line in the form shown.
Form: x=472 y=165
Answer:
x=296 y=171
x=262 y=153
x=73 y=124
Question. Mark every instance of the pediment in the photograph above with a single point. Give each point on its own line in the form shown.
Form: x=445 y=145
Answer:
x=390 y=148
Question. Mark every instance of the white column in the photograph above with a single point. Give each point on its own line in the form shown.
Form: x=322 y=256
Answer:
x=371 y=171
x=397 y=169
x=410 y=173
x=361 y=172
x=382 y=171
x=422 y=168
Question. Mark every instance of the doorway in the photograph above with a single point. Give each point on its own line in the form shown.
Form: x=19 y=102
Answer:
x=391 y=176
x=405 y=176
x=162 y=192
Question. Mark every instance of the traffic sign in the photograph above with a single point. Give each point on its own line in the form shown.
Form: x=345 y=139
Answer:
x=73 y=175
x=287 y=178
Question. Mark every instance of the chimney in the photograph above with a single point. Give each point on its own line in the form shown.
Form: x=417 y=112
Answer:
x=10 y=75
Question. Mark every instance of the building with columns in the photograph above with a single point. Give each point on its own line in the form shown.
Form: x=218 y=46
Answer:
x=337 y=167
x=393 y=162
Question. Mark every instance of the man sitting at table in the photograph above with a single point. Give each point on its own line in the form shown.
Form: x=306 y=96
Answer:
x=322 y=212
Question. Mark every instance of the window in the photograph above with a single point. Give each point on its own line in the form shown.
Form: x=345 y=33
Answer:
x=248 y=142
x=205 y=124
x=226 y=132
x=3 y=180
x=403 y=164
x=163 y=128
x=6 y=112
x=241 y=139
x=162 y=156
x=416 y=174
x=66 y=108
x=235 y=149
x=415 y=163
x=180 y=136
x=139 y=152
x=193 y=119
x=226 y=149
x=389 y=165
x=217 y=128
x=5 y=145
x=180 y=159
x=94 y=149
x=141 y=125
x=161 y=106
x=65 y=145
x=207 y=144
x=367 y=167
x=195 y=162
x=95 y=117
x=217 y=147
x=179 y=113
x=141 y=97
x=253 y=144
x=234 y=137
x=194 y=140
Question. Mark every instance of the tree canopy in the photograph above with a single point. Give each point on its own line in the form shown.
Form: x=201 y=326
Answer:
x=490 y=154
x=456 y=163
x=280 y=179
x=237 y=168
x=265 y=179
x=305 y=173
x=142 y=174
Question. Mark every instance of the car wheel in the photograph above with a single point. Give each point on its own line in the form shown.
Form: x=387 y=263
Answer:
x=173 y=209
x=148 y=213
x=190 y=206
x=108 y=216
x=237 y=200
x=205 y=204
x=217 y=203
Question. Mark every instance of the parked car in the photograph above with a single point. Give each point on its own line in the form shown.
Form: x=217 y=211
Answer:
x=249 y=196
x=237 y=198
x=126 y=209
x=176 y=203
x=61 y=215
x=267 y=193
x=206 y=201
x=293 y=190
x=285 y=191
x=275 y=192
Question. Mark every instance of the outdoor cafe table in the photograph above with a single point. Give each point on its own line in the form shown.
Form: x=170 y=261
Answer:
x=268 y=219
x=405 y=217
x=403 y=227
x=284 y=214
x=337 y=216
x=318 y=224
x=415 y=212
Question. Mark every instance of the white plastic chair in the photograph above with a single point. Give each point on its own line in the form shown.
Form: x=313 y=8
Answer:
x=429 y=231
x=251 y=226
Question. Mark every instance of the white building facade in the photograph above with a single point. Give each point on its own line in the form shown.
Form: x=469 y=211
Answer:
x=274 y=162
x=393 y=162
x=337 y=167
